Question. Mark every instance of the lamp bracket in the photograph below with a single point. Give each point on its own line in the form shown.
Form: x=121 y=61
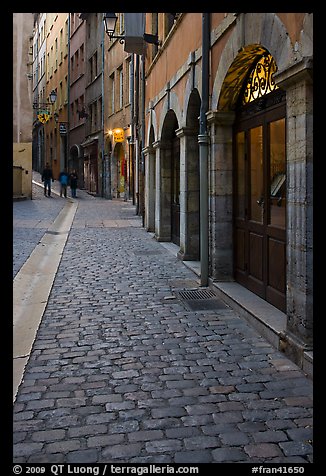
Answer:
x=41 y=105
x=115 y=37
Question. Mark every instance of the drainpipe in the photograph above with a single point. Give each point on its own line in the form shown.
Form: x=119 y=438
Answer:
x=132 y=138
x=142 y=168
x=68 y=100
x=136 y=119
x=203 y=140
x=102 y=117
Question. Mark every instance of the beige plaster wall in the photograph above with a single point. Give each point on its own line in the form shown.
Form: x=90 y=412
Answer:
x=22 y=157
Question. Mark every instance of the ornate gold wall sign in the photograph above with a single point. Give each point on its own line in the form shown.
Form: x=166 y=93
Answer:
x=261 y=79
x=43 y=116
x=118 y=135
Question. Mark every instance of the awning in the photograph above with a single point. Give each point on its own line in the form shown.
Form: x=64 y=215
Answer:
x=89 y=141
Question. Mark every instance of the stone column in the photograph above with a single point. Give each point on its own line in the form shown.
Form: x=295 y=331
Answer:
x=150 y=192
x=220 y=195
x=297 y=81
x=163 y=191
x=189 y=194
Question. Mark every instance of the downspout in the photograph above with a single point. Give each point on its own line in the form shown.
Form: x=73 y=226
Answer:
x=68 y=99
x=136 y=133
x=132 y=138
x=203 y=140
x=142 y=168
x=102 y=117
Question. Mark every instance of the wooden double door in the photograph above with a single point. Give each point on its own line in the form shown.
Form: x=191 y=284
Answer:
x=260 y=203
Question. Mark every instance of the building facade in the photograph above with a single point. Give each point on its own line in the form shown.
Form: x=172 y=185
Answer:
x=119 y=160
x=56 y=128
x=209 y=132
x=257 y=142
x=77 y=105
x=93 y=143
x=22 y=104
x=39 y=88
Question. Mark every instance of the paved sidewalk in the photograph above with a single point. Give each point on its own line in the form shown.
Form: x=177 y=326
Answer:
x=123 y=371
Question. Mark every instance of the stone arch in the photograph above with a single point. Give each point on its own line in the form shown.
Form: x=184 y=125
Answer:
x=169 y=126
x=171 y=103
x=169 y=180
x=75 y=161
x=151 y=128
x=194 y=83
x=76 y=150
x=253 y=34
x=150 y=180
x=193 y=109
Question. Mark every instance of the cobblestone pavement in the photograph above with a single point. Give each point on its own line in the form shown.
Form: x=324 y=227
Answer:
x=122 y=371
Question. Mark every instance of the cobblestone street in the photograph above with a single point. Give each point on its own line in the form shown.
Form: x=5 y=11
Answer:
x=123 y=371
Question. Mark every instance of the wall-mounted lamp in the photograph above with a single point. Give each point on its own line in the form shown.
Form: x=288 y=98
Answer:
x=110 y=21
x=40 y=105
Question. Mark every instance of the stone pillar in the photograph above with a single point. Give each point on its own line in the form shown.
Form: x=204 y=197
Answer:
x=297 y=81
x=220 y=195
x=150 y=188
x=189 y=194
x=163 y=191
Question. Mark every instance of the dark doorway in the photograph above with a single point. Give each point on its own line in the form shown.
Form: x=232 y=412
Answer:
x=170 y=177
x=175 y=191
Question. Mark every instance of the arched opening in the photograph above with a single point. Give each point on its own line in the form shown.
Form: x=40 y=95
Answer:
x=192 y=182
x=170 y=177
x=75 y=162
x=118 y=171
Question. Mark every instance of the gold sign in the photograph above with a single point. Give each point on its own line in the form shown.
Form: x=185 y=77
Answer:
x=118 y=135
x=43 y=117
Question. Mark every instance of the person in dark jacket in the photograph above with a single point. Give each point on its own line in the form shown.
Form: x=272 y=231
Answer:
x=47 y=177
x=73 y=179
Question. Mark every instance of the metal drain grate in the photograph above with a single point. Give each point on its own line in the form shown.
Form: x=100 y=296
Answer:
x=201 y=300
x=197 y=294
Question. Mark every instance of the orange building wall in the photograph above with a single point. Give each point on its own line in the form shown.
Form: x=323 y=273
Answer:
x=293 y=23
x=176 y=49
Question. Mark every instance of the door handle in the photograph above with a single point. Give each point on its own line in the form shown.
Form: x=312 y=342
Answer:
x=261 y=201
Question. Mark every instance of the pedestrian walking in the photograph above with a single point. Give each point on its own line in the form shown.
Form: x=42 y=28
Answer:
x=73 y=179
x=47 y=178
x=63 y=179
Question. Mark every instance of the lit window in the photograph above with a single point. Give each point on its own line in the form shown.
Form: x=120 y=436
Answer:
x=261 y=79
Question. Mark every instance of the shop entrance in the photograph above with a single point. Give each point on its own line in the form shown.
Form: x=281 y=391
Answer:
x=260 y=199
